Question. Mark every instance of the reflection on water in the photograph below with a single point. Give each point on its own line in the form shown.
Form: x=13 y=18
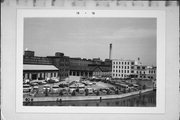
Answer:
x=146 y=100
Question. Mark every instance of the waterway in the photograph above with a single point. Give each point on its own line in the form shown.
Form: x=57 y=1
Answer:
x=145 y=100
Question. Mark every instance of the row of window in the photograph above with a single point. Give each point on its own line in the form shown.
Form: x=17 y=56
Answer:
x=125 y=67
x=125 y=63
x=152 y=72
x=119 y=75
x=123 y=71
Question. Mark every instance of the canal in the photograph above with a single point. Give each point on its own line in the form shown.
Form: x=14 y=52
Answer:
x=145 y=100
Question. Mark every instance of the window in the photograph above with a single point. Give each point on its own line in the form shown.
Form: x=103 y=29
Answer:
x=122 y=67
x=119 y=71
x=122 y=63
x=132 y=63
x=113 y=66
x=116 y=62
x=122 y=71
x=125 y=67
x=132 y=71
x=132 y=67
x=125 y=63
x=138 y=67
x=119 y=62
x=119 y=66
x=127 y=71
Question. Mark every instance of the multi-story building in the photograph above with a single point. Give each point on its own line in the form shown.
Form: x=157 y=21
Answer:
x=62 y=63
x=132 y=69
x=122 y=68
x=35 y=67
x=61 y=66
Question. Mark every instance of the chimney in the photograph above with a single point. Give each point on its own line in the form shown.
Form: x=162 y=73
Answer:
x=110 y=50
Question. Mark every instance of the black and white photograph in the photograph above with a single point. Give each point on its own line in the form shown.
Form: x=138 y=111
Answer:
x=90 y=59
x=89 y=62
x=99 y=59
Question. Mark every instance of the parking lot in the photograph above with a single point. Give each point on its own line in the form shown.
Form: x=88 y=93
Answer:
x=84 y=87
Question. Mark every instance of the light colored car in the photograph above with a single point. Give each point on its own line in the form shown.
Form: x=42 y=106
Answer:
x=90 y=90
x=81 y=91
x=46 y=87
x=55 y=89
x=26 y=88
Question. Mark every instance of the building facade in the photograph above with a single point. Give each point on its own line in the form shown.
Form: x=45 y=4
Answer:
x=61 y=66
x=122 y=68
x=132 y=69
x=35 y=67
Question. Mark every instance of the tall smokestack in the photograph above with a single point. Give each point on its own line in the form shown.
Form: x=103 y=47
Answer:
x=110 y=50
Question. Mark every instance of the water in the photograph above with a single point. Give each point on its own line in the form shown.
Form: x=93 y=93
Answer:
x=145 y=100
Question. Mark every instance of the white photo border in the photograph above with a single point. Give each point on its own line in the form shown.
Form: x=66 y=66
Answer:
x=54 y=13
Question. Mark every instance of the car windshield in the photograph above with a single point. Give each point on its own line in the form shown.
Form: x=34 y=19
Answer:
x=55 y=87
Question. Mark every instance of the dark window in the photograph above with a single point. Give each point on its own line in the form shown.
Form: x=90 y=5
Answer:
x=132 y=67
x=132 y=63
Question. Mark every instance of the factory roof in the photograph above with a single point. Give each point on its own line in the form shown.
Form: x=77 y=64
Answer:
x=39 y=67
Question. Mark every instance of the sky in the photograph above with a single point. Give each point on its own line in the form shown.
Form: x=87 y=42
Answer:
x=90 y=37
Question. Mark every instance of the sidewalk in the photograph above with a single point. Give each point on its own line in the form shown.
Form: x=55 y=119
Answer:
x=39 y=99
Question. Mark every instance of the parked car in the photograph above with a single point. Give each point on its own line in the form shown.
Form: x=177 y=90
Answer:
x=90 y=90
x=26 y=88
x=55 y=89
x=46 y=87
x=81 y=91
x=34 y=84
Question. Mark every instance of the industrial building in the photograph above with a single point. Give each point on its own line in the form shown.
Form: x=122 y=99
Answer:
x=132 y=69
x=122 y=68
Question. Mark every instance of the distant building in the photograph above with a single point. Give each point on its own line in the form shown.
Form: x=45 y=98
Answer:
x=61 y=66
x=62 y=63
x=35 y=67
x=132 y=69
x=122 y=68
x=34 y=72
x=102 y=71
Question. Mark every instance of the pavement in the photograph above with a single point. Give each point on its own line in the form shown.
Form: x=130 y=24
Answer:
x=36 y=99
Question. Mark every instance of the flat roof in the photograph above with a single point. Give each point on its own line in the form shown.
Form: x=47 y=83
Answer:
x=38 y=67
